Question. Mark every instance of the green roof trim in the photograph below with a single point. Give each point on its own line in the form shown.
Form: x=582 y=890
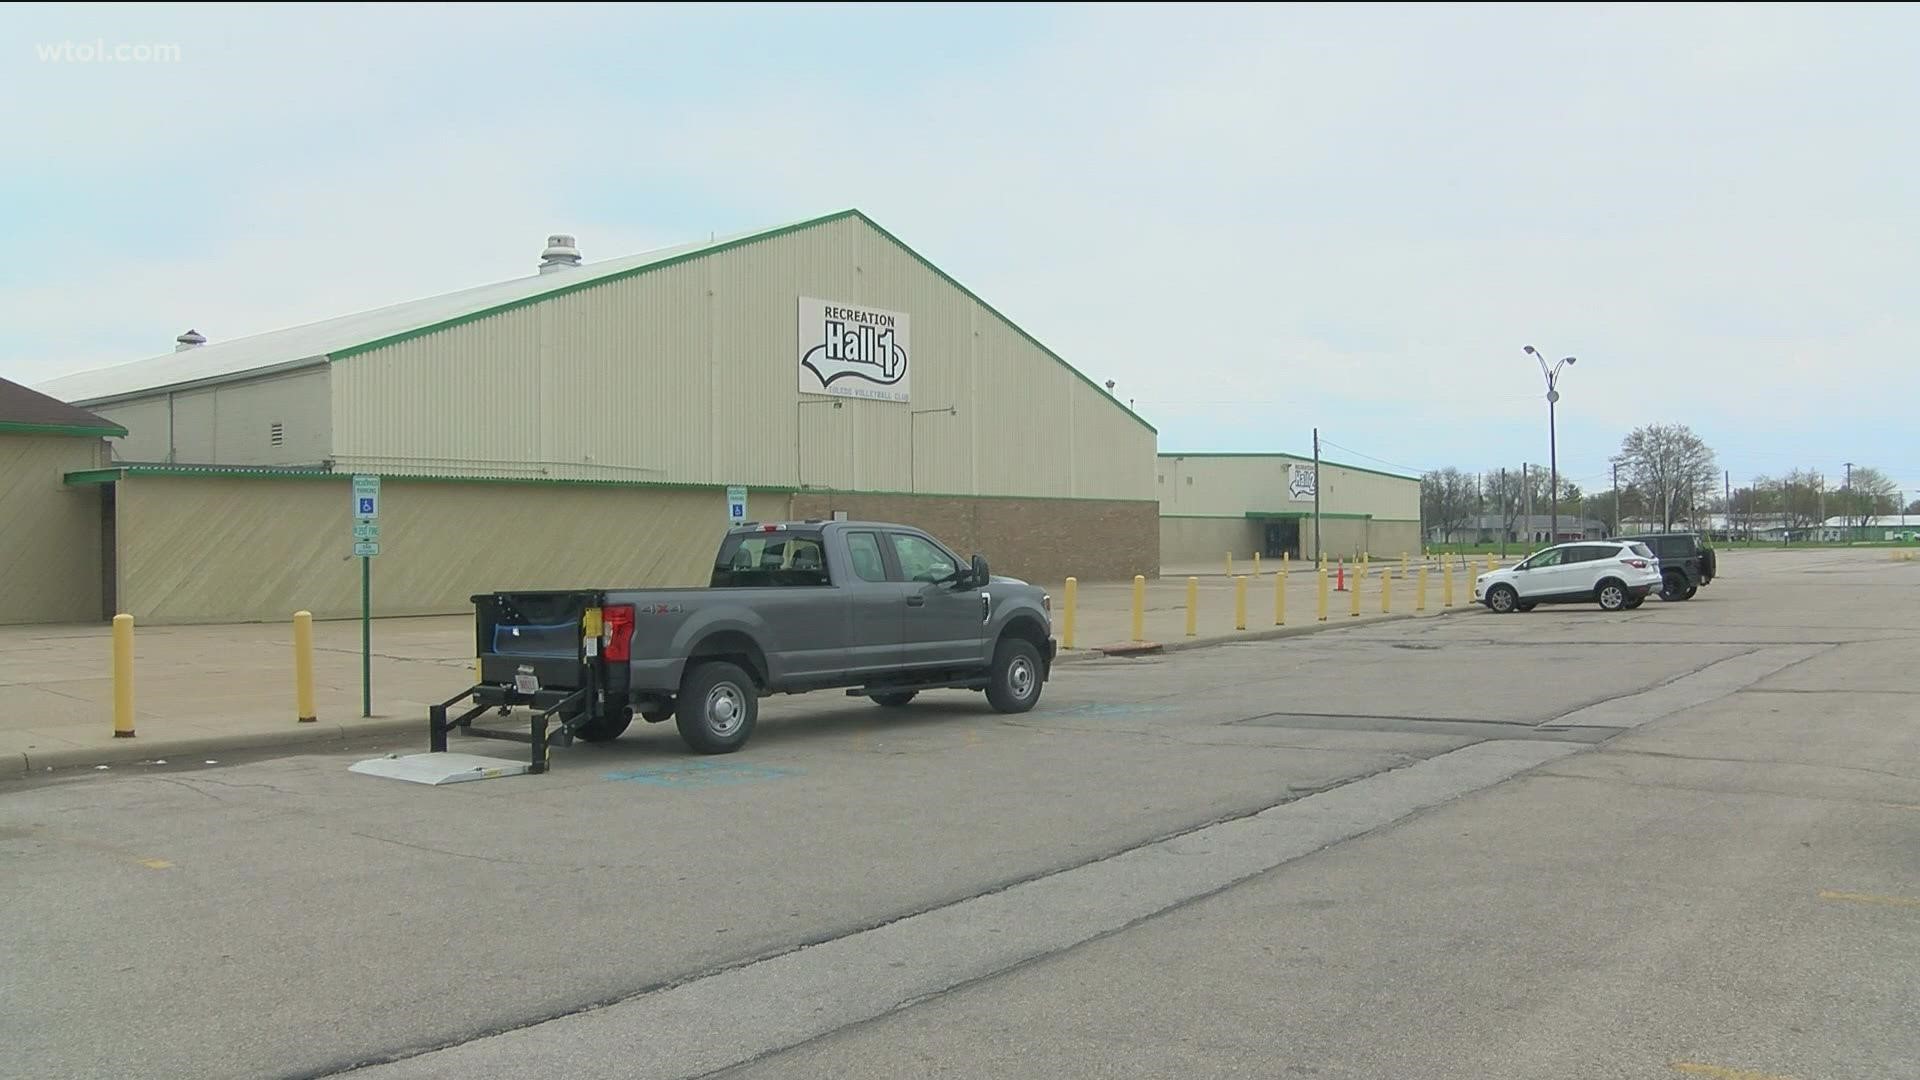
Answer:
x=1289 y=457
x=737 y=242
x=274 y=472
x=21 y=427
x=962 y=495
x=281 y=472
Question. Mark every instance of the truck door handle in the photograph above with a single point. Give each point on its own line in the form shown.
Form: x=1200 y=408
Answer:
x=916 y=601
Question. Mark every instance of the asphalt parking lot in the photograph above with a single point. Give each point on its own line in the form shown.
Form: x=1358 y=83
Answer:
x=1470 y=846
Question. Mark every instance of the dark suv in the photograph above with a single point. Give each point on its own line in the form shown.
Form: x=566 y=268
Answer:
x=1686 y=563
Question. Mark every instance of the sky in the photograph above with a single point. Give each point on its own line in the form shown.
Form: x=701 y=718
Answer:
x=1254 y=220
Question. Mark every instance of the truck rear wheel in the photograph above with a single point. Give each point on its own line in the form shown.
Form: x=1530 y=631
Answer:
x=1013 y=685
x=717 y=708
x=894 y=699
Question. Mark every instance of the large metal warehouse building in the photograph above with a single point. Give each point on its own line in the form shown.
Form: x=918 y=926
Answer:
x=579 y=426
x=1213 y=504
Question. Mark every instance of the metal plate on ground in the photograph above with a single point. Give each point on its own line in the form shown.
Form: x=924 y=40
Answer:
x=438 y=769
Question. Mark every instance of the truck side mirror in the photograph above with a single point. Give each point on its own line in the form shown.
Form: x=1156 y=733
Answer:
x=980 y=575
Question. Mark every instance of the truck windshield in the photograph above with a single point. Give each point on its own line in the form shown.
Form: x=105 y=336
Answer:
x=761 y=560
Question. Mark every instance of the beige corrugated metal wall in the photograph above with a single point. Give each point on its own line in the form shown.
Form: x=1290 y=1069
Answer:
x=1243 y=483
x=230 y=424
x=217 y=549
x=1191 y=543
x=50 y=568
x=689 y=374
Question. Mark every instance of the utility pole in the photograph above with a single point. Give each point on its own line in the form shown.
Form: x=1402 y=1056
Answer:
x=1526 y=488
x=1316 y=495
x=1505 y=495
x=1616 y=498
x=1728 y=505
x=1846 y=501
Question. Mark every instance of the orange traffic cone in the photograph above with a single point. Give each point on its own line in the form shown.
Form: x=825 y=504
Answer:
x=1340 y=576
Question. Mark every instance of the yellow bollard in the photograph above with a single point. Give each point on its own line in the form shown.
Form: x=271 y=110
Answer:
x=1420 y=594
x=303 y=710
x=1323 y=594
x=1490 y=565
x=1354 y=596
x=1229 y=564
x=1280 y=595
x=1283 y=562
x=1256 y=564
x=1446 y=577
x=1406 y=568
x=1066 y=618
x=1193 y=607
x=123 y=676
x=1239 y=603
x=1386 y=590
x=1139 y=607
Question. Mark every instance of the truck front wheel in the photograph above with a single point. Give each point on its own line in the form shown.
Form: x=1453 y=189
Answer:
x=1013 y=685
x=717 y=707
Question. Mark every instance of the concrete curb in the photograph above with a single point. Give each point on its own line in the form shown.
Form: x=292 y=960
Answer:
x=1272 y=633
x=141 y=748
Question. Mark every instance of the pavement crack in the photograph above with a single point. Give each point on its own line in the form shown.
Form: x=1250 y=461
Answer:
x=1706 y=790
x=1609 y=751
x=441 y=851
x=183 y=784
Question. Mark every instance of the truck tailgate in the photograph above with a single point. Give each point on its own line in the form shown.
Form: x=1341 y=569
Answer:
x=536 y=643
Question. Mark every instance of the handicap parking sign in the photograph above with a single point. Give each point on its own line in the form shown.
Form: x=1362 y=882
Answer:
x=366 y=506
x=737 y=505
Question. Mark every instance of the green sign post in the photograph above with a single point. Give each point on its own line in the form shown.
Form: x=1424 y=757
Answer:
x=366 y=544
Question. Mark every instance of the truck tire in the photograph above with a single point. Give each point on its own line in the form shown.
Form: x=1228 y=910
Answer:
x=1013 y=684
x=605 y=727
x=1672 y=584
x=894 y=700
x=717 y=707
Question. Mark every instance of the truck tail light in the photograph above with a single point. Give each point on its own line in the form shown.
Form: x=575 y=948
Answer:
x=1637 y=564
x=618 y=621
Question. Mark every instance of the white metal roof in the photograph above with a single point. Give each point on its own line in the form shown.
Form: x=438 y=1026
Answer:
x=302 y=345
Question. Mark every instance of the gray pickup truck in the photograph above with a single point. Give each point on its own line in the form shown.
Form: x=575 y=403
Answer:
x=883 y=611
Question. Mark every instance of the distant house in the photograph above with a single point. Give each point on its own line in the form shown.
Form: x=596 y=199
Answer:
x=1889 y=527
x=1522 y=529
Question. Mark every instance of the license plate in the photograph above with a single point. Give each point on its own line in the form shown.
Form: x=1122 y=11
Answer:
x=526 y=682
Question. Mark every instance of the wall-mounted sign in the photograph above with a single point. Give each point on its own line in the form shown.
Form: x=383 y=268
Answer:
x=847 y=350
x=737 y=505
x=1301 y=483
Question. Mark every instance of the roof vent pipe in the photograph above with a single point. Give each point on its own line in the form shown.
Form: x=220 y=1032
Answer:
x=192 y=339
x=561 y=254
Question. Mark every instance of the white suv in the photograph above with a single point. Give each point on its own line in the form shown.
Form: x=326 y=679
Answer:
x=1615 y=574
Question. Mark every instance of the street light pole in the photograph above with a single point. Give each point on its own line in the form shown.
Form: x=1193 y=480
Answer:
x=1553 y=437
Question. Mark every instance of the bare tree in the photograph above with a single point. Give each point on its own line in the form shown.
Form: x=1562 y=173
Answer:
x=1671 y=465
x=1869 y=494
x=1802 y=498
x=1447 y=499
x=1507 y=492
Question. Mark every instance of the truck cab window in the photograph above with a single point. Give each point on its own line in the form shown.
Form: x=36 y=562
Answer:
x=770 y=559
x=864 y=549
x=921 y=560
